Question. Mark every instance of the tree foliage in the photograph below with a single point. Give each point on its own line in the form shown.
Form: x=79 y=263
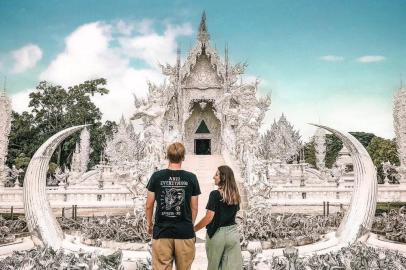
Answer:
x=380 y=150
x=54 y=108
x=310 y=153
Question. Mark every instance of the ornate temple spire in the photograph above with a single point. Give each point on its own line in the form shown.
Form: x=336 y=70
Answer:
x=399 y=119
x=226 y=63
x=84 y=149
x=203 y=36
x=5 y=127
x=3 y=92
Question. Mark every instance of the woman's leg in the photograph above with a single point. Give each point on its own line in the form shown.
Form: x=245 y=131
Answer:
x=215 y=249
x=232 y=257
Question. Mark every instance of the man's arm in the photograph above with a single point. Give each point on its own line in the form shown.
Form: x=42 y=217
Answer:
x=194 y=205
x=149 y=209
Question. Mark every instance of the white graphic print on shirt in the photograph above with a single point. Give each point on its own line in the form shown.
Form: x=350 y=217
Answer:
x=172 y=197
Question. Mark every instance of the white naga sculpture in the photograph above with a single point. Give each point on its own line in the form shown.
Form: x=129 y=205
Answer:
x=358 y=219
x=5 y=127
x=399 y=117
x=320 y=147
x=40 y=218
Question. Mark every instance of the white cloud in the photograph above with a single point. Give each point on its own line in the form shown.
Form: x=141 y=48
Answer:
x=339 y=112
x=332 y=58
x=98 y=49
x=26 y=58
x=124 y=27
x=20 y=100
x=154 y=48
x=371 y=58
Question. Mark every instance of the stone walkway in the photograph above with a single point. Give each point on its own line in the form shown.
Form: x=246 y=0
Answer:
x=204 y=166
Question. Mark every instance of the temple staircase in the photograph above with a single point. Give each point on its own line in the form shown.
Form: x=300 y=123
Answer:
x=204 y=166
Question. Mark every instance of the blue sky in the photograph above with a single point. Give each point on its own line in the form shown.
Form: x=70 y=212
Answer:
x=333 y=62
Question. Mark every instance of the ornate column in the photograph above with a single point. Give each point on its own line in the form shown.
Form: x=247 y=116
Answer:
x=5 y=126
x=399 y=119
x=84 y=149
x=320 y=147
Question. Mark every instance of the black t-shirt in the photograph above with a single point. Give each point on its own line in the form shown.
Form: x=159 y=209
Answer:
x=173 y=191
x=224 y=214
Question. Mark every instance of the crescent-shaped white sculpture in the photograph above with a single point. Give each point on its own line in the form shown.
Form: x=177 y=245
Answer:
x=38 y=213
x=358 y=219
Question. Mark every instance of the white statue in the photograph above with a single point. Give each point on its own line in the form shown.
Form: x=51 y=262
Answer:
x=61 y=177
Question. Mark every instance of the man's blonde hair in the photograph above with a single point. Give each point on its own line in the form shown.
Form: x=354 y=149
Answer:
x=175 y=152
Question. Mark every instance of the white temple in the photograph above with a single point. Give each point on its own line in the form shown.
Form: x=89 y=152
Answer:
x=205 y=105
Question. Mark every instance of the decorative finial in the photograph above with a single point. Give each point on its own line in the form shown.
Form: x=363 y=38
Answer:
x=4 y=85
x=178 y=57
x=226 y=66
x=203 y=35
x=226 y=54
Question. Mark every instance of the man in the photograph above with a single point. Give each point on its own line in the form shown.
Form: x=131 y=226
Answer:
x=175 y=192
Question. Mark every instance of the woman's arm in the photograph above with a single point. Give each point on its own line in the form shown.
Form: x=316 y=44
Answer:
x=205 y=220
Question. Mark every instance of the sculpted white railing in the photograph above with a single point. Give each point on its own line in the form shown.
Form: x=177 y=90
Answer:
x=123 y=198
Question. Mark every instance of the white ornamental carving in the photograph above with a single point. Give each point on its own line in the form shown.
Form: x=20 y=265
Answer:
x=84 y=149
x=320 y=147
x=281 y=142
x=399 y=118
x=125 y=147
x=5 y=127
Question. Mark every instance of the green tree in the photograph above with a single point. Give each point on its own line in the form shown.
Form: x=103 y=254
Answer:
x=382 y=150
x=23 y=139
x=310 y=153
x=53 y=109
x=363 y=137
x=334 y=145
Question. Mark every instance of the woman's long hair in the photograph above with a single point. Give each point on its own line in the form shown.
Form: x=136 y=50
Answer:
x=228 y=187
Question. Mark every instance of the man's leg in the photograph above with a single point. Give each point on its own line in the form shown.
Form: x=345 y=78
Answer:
x=215 y=249
x=162 y=254
x=184 y=253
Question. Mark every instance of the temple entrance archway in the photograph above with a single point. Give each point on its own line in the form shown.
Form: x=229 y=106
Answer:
x=202 y=129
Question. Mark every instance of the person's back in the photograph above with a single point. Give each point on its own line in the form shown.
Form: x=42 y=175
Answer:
x=173 y=214
x=175 y=192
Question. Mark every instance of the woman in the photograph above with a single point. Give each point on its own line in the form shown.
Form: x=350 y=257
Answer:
x=222 y=240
